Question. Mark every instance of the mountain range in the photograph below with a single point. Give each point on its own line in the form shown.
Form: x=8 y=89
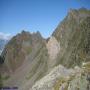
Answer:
x=61 y=62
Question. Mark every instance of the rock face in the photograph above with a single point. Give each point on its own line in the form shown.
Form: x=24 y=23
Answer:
x=73 y=33
x=52 y=64
x=53 y=47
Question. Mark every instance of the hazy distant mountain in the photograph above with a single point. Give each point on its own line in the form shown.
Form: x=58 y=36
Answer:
x=2 y=44
x=4 y=38
x=34 y=63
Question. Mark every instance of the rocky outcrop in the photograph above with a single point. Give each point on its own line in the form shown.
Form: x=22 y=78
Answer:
x=47 y=82
x=61 y=78
x=53 y=47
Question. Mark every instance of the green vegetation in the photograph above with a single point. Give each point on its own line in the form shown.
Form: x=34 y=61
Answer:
x=63 y=80
x=58 y=83
x=29 y=50
x=5 y=77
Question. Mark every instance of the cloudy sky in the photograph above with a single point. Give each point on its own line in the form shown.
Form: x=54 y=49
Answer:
x=5 y=36
x=35 y=15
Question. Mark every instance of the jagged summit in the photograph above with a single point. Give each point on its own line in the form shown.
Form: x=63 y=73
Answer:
x=80 y=9
x=26 y=35
x=19 y=47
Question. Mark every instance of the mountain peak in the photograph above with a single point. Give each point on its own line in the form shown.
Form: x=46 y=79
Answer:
x=78 y=13
x=19 y=47
x=23 y=32
x=78 y=10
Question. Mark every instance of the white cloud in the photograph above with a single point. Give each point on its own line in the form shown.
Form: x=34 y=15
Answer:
x=5 y=36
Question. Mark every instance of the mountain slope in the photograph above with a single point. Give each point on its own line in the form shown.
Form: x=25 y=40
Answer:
x=25 y=59
x=74 y=36
x=19 y=47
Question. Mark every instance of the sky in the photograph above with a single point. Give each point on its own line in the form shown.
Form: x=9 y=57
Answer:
x=35 y=15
